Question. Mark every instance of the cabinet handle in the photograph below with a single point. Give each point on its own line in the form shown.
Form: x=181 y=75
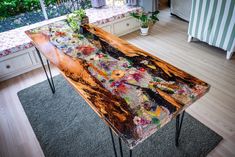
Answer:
x=8 y=66
x=127 y=24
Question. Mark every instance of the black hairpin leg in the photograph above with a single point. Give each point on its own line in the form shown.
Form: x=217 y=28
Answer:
x=120 y=145
x=179 y=121
x=50 y=80
x=114 y=148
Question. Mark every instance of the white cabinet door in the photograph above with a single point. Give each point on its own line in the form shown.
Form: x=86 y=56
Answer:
x=16 y=63
x=125 y=26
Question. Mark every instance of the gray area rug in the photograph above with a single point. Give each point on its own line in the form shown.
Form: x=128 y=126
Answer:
x=66 y=126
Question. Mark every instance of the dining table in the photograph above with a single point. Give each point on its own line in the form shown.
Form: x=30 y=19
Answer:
x=134 y=92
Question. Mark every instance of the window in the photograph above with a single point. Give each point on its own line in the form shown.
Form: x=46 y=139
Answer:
x=18 y=13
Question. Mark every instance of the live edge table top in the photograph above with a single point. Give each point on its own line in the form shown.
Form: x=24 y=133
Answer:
x=134 y=92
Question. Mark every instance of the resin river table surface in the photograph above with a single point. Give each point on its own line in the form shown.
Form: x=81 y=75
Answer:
x=134 y=92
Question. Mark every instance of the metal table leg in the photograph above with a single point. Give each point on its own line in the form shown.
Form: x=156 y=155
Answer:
x=120 y=145
x=179 y=121
x=114 y=148
x=49 y=79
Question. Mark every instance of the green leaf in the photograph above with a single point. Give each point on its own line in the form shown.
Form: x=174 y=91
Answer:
x=146 y=18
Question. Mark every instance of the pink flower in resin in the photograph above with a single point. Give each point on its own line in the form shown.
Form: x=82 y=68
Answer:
x=122 y=88
x=137 y=76
x=125 y=65
x=144 y=121
x=86 y=50
x=141 y=121
x=142 y=69
x=137 y=120
x=181 y=91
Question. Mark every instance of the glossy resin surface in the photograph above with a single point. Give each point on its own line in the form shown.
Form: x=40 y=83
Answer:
x=134 y=92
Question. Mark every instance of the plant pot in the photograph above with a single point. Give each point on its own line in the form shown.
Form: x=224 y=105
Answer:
x=85 y=20
x=144 y=31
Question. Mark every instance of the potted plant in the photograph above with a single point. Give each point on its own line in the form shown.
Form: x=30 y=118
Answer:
x=146 y=19
x=77 y=18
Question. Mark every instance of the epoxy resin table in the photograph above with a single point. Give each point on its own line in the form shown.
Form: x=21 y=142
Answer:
x=134 y=92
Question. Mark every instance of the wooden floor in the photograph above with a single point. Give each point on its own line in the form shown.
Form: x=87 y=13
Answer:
x=168 y=40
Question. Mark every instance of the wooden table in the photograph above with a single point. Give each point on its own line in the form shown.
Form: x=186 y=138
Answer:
x=134 y=92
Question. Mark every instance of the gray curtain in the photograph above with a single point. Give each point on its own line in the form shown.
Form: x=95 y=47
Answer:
x=131 y=2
